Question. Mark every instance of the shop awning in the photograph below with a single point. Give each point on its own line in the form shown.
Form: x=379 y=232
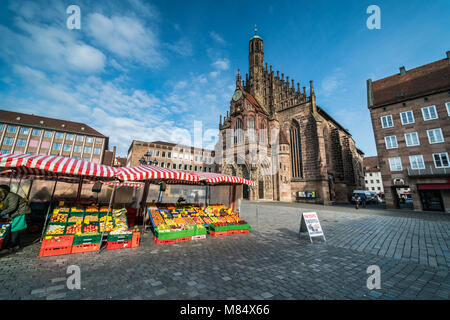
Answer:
x=218 y=178
x=433 y=186
x=147 y=172
x=55 y=165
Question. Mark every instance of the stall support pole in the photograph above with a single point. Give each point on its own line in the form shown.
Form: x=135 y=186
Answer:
x=106 y=217
x=48 y=210
x=80 y=185
x=233 y=198
x=29 y=190
x=142 y=206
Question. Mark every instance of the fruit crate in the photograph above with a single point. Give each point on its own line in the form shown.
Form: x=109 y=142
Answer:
x=92 y=214
x=71 y=224
x=86 y=247
x=47 y=252
x=159 y=241
x=55 y=235
x=227 y=232
x=135 y=239
x=57 y=241
x=76 y=214
x=120 y=237
x=91 y=224
x=200 y=231
x=230 y=227
x=118 y=244
x=175 y=234
x=87 y=239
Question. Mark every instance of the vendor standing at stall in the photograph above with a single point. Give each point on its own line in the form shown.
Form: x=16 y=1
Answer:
x=14 y=207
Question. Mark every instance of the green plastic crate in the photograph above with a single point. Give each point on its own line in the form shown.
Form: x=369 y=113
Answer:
x=230 y=227
x=175 y=234
x=120 y=237
x=86 y=239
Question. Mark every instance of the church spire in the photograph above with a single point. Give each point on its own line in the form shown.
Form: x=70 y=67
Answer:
x=238 y=78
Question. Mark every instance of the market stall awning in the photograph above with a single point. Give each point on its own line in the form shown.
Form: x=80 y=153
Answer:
x=147 y=172
x=219 y=178
x=55 y=165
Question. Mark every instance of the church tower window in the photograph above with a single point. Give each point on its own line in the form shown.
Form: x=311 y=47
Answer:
x=238 y=132
x=296 y=151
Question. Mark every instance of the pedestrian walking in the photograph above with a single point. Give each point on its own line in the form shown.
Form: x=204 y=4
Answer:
x=356 y=201
x=363 y=200
x=15 y=208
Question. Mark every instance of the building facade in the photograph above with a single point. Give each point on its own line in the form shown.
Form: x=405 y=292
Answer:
x=30 y=134
x=410 y=114
x=308 y=155
x=372 y=175
x=173 y=156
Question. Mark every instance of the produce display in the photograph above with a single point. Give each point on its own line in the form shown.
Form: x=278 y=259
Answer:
x=186 y=219
x=75 y=219
x=55 y=229
x=74 y=228
x=59 y=217
x=90 y=228
x=90 y=217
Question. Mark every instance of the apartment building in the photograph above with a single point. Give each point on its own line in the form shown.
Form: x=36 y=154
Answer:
x=372 y=175
x=31 y=134
x=170 y=155
x=410 y=114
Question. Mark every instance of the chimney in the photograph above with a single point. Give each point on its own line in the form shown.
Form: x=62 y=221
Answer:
x=402 y=70
x=278 y=74
x=287 y=81
x=282 y=76
x=266 y=66
x=270 y=69
x=293 y=84
x=114 y=156
x=298 y=86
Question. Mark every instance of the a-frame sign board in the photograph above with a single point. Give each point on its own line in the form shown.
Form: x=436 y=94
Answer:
x=310 y=223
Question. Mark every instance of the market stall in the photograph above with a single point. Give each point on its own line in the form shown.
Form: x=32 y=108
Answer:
x=72 y=226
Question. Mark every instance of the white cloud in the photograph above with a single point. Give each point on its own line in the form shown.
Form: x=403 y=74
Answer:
x=332 y=82
x=126 y=37
x=221 y=64
x=217 y=38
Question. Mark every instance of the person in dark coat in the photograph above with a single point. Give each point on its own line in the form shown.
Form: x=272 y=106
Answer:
x=14 y=207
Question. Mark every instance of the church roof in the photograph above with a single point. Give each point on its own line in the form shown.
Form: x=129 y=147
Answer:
x=254 y=102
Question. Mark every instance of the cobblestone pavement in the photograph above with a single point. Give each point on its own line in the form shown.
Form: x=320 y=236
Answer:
x=269 y=263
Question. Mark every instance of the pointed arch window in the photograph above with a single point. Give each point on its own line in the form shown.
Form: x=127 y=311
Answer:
x=296 y=151
x=251 y=128
x=238 y=132
x=263 y=132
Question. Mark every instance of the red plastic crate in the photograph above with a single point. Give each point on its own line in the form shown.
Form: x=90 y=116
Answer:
x=57 y=242
x=54 y=251
x=227 y=232
x=135 y=240
x=118 y=244
x=157 y=241
x=87 y=247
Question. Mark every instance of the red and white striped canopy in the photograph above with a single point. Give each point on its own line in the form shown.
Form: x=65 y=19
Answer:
x=218 y=178
x=147 y=172
x=55 y=165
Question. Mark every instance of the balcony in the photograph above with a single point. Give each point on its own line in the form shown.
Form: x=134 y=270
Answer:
x=429 y=170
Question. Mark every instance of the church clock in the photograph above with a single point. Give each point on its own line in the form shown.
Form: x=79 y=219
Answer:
x=237 y=95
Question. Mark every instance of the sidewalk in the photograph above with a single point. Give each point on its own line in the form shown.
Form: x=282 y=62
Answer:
x=349 y=208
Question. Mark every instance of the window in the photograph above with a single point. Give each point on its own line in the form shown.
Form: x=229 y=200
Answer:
x=370 y=174
x=395 y=164
x=387 y=122
x=150 y=152
x=77 y=149
x=238 y=133
x=48 y=134
x=36 y=132
x=67 y=147
x=56 y=146
x=59 y=135
x=186 y=156
x=190 y=167
x=8 y=141
x=179 y=166
x=89 y=139
x=1 y=127
x=162 y=164
x=168 y=165
x=34 y=143
x=11 y=129
x=169 y=155
x=80 y=138
x=441 y=160
x=87 y=150
x=435 y=136
x=174 y=166
x=157 y=153
x=379 y=188
x=296 y=151
x=447 y=105
x=98 y=141
x=373 y=188
x=407 y=117
x=21 y=142
x=391 y=142
x=251 y=128
x=24 y=130
x=86 y=158
x=195 y=168
x=366 y=181
x=429 y=113
x=412 y=139
x=175 y=155
x=371 y=181
x=417 y=162
x=96 y=150
x=378 y=181
x=209 y=169
x=69 y=137
x=4 y=151
x=163 y=154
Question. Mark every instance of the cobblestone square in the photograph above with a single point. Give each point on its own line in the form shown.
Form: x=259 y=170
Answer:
x=271 y=262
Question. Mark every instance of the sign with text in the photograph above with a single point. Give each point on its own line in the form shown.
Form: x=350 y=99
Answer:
x=306 y=194
x=310 y=223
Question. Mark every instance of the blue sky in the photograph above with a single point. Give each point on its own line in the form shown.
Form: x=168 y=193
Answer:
x=146 y=70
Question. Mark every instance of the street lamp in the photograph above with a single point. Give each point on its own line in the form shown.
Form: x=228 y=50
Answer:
x=145 y=160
